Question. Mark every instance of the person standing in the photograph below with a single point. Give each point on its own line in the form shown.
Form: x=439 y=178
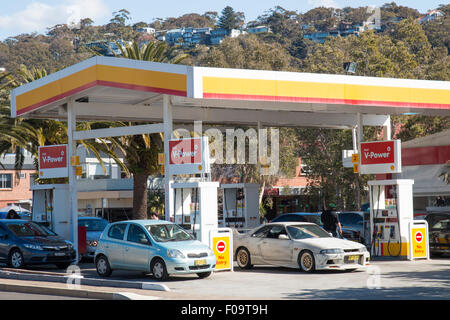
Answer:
x=330 y=220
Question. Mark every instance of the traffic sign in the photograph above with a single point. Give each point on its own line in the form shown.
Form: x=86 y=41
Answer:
x=418 y=236
x=221 y=246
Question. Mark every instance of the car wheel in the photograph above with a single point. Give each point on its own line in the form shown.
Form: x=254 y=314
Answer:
x=306 y=261
x=243 y=258
x=16 y=259
x=202 y=275
x=159 y=270
x=102 y=266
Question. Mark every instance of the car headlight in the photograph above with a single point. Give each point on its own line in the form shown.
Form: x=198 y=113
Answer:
x=331 y=251
x=174 y=253
x=69 y=245
x=211 y=253
x=33 y=246
x=92 y=243
x=363 y=249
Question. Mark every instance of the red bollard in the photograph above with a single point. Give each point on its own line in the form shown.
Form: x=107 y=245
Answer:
x=81 y=240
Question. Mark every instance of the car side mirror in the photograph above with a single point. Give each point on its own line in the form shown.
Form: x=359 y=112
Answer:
x=283 y=237
x=144 y=241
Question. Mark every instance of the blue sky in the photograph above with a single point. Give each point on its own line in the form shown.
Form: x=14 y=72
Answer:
x=26 y=16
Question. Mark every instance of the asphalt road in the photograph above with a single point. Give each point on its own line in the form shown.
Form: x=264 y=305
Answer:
x=390 y=280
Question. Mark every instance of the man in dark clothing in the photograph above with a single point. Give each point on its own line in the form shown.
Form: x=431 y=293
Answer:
x=330 y=220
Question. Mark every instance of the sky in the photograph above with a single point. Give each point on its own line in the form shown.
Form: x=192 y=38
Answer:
x=27 y=16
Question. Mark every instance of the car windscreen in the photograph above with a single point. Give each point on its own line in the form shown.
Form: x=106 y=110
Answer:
x=27 y=229
x=298 y=232
x=93 y=224
x=167 y=232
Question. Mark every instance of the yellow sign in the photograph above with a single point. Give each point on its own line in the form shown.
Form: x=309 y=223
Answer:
x=221 y=248
x=161 y=158
x=355 y=158
x=74 y=160
x=356 y=167
x=419 y=242
x=78 y=170
x=162 y=170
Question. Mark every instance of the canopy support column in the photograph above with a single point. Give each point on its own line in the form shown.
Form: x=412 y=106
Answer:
x=168 y=128
x=73 y=193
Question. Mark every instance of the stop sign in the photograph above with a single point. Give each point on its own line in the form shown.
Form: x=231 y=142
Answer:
x=221 y=246
x=419 y=236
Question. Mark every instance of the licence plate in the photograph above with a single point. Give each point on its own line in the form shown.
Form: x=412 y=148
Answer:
x=59 y=254
x=353 y=258
x=199 y=262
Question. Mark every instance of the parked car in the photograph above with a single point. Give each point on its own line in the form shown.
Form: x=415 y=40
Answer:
x=155 y=246
x=353 y=220
x=439 y=232
x=301 y=245
x=24 y=242
x=314 y=217
x=94 y=228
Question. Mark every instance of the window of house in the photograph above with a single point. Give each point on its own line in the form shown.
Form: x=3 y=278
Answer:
x=6 y=181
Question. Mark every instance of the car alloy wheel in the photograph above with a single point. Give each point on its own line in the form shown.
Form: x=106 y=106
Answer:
x=103 y=268
x=16 y=259
x=306 y=261
x=159 y=270
x=243 y=258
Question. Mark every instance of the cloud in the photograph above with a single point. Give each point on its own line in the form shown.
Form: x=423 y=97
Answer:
x=323 y=3
x=38 y=16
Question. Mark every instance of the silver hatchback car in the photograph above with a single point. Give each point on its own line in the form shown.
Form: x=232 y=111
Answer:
x=154 y=246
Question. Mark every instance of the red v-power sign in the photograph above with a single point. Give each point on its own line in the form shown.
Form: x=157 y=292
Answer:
x=381 y=157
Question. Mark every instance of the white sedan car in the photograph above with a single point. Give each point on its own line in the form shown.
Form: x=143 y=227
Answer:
x=297 y=244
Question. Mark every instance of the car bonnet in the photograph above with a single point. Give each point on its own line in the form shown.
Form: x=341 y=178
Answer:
x=330 y=243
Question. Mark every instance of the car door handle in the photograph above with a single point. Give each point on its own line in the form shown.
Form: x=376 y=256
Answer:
x=126 y=249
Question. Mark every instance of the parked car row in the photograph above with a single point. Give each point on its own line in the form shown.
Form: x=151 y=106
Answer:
x=164 y=248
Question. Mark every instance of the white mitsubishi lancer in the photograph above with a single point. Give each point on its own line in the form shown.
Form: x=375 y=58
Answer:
x=297 y=245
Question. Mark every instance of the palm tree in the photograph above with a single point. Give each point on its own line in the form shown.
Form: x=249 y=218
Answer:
x=141 y=151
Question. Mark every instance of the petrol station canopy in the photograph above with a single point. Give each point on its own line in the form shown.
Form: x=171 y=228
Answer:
x=106 y=88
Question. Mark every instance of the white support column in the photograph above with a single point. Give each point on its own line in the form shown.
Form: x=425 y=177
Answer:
x=73 y=193
x=387 y=129
x=168 y=128
x=360 y=129
x=355 y=139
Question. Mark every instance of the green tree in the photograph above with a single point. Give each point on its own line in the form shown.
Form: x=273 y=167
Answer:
x=229 y=19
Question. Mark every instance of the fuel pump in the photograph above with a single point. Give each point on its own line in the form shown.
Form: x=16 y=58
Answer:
x=391 y=211
x=50 y=207
x=195 y=207
x=240 y=205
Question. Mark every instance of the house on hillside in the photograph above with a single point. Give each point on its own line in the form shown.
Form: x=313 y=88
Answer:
x=431 y=15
